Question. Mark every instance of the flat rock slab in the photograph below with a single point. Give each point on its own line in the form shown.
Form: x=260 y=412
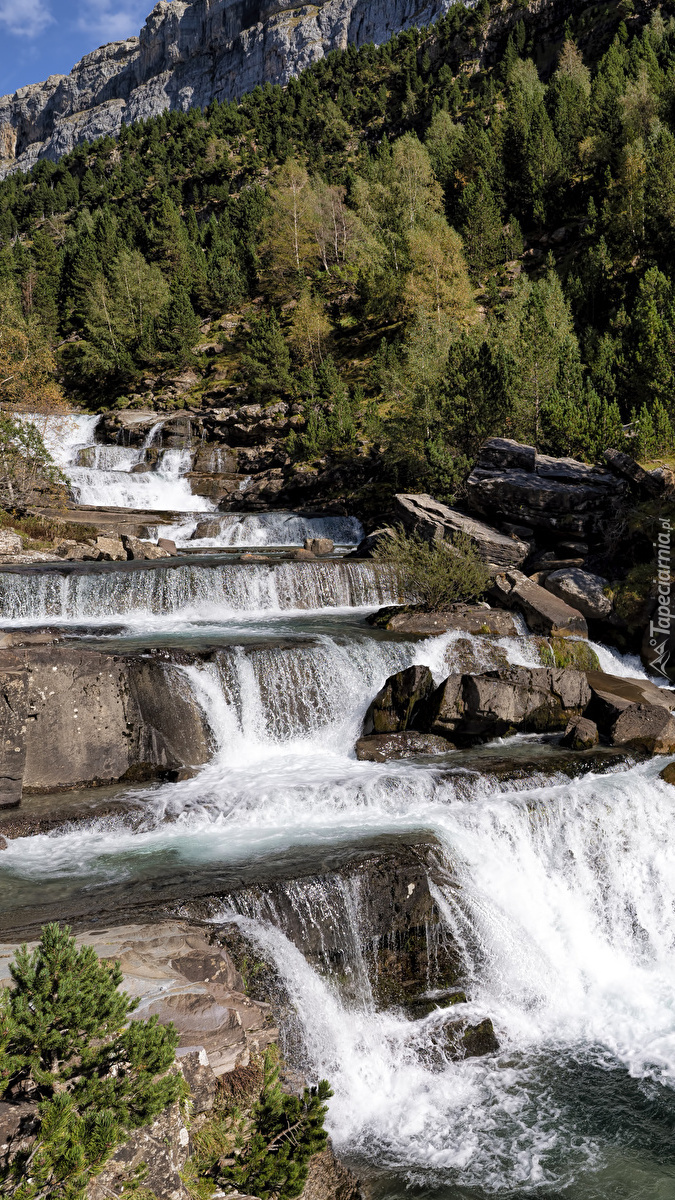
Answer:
x=475 y=620
x=613 y=694
x=543 y=612
x=645 y=727
x=434 y=521
x=386 y=747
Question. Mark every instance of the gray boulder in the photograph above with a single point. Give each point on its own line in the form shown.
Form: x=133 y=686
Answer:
x=532 y=699
x=511 y=483
x=645 y=727
x=434 y=521
x=392 y=709
x=373 y=541
x=499 y=702
x=581 y=734
x=544 y=613
x=611 y=695
x=581 y=590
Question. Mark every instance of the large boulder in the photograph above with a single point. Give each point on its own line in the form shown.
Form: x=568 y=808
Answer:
x=535 y=699
x=645 y=727
x=434 y=521
x=495 y=703
x=544 y=613
x=372 y=542
x=512 y=483
x=611 y=695
x=392 y=709
x=581 y=590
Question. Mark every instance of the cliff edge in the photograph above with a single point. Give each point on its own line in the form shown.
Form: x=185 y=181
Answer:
x=189 y=54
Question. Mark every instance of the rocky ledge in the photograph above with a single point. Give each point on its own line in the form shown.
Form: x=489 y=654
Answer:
x=467 y=709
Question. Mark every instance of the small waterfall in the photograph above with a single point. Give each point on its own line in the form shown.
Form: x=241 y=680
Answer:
x=278 y=529
x=193 y=591
x=101 y=475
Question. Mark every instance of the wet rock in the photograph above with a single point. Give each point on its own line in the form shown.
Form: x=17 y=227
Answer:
x=443 y=713
x=319 y=545
x=434 y=521
x=668 y=773
x=167 y=545
x=478 y=1040
x=386 y=747
x=206 y=529
x=535 y=699
x=567 y=652
x=626 y=466
x=580 y=734
x=73 y=717
x=543 y=612
x=474 y=619
x=581 y=590
x=646 y=727
x=303 y=555
x=613 y=694
x=393 y=708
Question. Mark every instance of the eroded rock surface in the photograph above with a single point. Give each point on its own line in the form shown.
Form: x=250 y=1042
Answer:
x=189 y=54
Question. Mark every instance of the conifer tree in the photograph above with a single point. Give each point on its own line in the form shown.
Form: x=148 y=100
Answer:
x=66 y=1041
x=287 y=1131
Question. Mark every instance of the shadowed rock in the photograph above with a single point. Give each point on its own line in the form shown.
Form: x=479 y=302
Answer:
x=392 y=709
x=646 y=727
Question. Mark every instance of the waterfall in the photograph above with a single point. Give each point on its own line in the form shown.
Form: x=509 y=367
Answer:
x=274 y=529
x=212 y=591
x=101 y=475
x=561 y=903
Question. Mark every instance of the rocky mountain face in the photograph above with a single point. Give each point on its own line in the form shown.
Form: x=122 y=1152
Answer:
x=189 y=54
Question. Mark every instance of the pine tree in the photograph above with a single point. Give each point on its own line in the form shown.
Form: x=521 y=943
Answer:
x=287 y=1131
x=66 y=1041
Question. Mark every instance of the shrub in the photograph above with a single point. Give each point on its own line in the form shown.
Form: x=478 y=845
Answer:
x=434 y=575
x=67 y=1043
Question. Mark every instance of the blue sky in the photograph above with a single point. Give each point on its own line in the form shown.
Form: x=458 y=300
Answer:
x=47 y=37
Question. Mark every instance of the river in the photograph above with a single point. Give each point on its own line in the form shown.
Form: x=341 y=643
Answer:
x=559 y=892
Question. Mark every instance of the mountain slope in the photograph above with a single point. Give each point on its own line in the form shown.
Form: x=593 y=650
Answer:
x=189 y=55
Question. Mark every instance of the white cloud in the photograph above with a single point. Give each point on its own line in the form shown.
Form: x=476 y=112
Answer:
x=27 y=18
x=112 y=20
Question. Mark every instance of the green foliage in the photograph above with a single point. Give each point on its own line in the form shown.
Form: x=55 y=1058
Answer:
x=67 y=1042
x=434 y=575
x=284 y=1133
x=26 y=467
x=266 y=363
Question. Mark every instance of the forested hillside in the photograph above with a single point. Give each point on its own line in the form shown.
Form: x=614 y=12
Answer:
x=415 y=251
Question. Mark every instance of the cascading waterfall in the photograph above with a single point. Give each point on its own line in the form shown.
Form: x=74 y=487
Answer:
x=561 y=903
x=102 y=475
x=271 y=529
x=199 y=591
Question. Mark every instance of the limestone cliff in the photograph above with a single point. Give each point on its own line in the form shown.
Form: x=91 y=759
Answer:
x=189 y=54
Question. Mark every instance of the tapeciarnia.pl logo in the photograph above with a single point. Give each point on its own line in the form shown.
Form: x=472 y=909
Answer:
x=659 y=626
